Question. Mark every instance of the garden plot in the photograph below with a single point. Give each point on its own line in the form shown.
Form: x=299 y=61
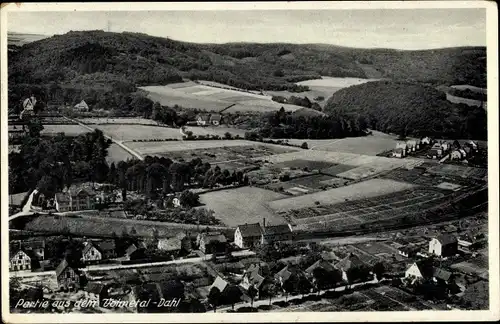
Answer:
x=302 y=164
x=69 y=130
x=361 y=190
x=459 y=171
x=242 y=205
x=139 y=132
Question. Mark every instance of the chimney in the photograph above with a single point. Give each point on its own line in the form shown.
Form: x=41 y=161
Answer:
x=264 y=222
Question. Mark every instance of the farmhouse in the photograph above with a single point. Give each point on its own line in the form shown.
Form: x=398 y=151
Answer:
x=68 y=277
x=286 y=273
x=420 y=270
x=253 y=276
x=107 y=249
x=34 y=248
x=202 y=119
x=469 y=241
x=320 y=264
x=443 y=245
x=81 y=199
x=403 y=146
x=277 y=233
x=220 y=284
x=399 y=153
x=97 y=291
x=436 y=151
x=413 y=145
x=135 y=251
x=172 y=245
x=215 y=119
x=19 y=260
x=211 y=242
x=350 y=261
x=91 y=252
x=455 y=155
x=441 y=276
x=248 y=235
x=82 y=106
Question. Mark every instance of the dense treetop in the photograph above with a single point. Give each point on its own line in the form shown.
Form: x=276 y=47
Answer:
x=408 y=109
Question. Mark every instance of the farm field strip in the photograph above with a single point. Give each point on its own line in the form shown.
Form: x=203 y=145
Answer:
x=70 y=130
x=360 y=190
x=126 y=120
x=126 y=133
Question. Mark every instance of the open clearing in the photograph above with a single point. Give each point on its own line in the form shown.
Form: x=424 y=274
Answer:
x=210 y=98
x=137 y=132
x=365 y=189
x=70 y=130
x=242 y=205
x=334 y=82
x=210 y=150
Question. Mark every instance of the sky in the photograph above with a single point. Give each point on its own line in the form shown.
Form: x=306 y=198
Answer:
x=378 y=28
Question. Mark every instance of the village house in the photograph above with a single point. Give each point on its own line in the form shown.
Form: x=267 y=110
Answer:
x=350 y=261
x=320 y=264
x=19 y=260
x=135 y=251
x=277 y=233
x=254 y=276
x=463 y=153
x=443 y=245
x=469 y=241
x=107 y=249
x=211 y=242
x=81 y=199
x=399 y=153
x=436 y=151
x=82 y=106
x=403 y=146
x=216 y=119
x=202 y=119
x=35 y=248
x=220 y=284
x=91 y=252
x=455 y=155
x=248 y=236
x=413 y=145
x=426 y=141
x=420 y=270
x=441 y=276
x=286 y=273
x=97 y=291
x=68 y=278
x=409 y=251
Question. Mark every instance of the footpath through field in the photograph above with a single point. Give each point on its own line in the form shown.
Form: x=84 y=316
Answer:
x=119 y=143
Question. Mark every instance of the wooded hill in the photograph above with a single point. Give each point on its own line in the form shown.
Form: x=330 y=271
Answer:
x=408 y=109
x=103 y=66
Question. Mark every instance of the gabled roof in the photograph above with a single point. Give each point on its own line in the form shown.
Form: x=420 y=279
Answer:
x=216 y=117
x=63 y=197
x=108 y=245
x=255 y=279
x=329 y=256
x=446 y=239
x=61 y=267
x=15 y=250
x=250 y=230
x=95 y=287
x=131 y=249
x=284 y=274
x=398 y=150
x=320 y=264
x=442 y=274
x=81 y=104
x=349 y=262
x=219 y=283
x=211 y=237
x=425 y=267
x=277 y=229
x=88 y=246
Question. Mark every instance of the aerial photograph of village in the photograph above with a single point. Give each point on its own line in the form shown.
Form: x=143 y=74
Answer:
x=247 y=161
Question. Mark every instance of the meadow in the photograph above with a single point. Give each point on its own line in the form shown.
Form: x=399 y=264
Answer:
x=123 y=132
x=70 y=130
x=115 y=120
x=242 y=205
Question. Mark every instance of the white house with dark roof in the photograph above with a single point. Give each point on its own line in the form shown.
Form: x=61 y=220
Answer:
x=91 y=252
x=19 y=260
x=248 y=235
x=443 y=245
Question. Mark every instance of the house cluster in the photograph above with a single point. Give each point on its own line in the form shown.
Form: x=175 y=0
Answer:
x=403 y=148
x=206 y=119
x=26 y=255
x=83 y=196
x=17 y=132
x=249 y=236
x=453 y=151
x=28 y=107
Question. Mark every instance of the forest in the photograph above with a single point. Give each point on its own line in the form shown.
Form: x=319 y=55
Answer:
x=282 y=124
x=409 y=109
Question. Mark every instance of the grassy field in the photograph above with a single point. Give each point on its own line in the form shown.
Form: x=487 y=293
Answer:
x=361 y=190
x=123 y=132
x=301 y=164
x=242 y=205
x=126 y=120
x=212 y=130
x=210 y=150
x=70 y=130
x=210 y=98
x=459 y=171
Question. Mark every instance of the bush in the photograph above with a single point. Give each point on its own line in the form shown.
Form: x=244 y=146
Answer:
x=304 y=146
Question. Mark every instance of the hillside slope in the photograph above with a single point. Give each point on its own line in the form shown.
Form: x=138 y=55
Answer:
x=91 y=63
x=408 y=109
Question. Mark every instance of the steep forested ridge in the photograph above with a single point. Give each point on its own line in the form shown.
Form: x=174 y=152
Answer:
x=408 y=109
